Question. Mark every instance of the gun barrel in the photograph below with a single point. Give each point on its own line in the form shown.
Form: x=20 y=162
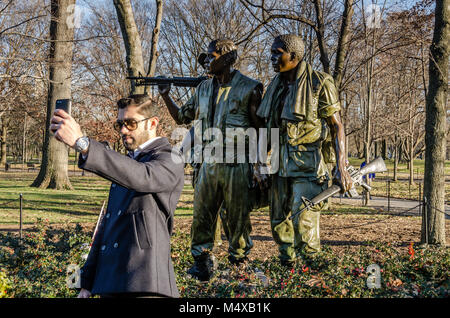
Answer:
x=375 y=166
x=366 y=186
x=326 y=194
x=320 y=197
x=176 y=81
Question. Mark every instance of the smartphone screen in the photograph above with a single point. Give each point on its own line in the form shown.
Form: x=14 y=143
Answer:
x=64 y=104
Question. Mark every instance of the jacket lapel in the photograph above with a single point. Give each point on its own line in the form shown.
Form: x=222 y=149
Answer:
x=154 y=146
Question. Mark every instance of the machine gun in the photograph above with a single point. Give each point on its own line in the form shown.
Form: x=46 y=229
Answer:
x=175 y=81
x=357 y=176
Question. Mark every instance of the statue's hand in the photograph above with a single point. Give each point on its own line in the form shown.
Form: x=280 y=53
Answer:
x=344 y=179
x=259 y=177
x=163 y=89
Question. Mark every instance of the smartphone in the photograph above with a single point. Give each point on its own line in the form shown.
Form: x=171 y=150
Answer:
x=64 y=104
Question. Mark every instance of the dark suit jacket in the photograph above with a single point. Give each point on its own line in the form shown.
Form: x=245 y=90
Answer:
x=131 y=251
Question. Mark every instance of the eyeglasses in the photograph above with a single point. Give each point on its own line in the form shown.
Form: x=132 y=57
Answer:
x=131 y=124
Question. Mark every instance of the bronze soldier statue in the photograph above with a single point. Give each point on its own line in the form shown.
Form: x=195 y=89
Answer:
x=188 y=147
x=304 y=105
x=227 y=100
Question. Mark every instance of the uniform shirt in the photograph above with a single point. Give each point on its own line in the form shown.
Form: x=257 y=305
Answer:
x=301 y=120
x=229 y=109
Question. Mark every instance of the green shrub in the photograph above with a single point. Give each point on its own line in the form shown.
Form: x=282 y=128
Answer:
x=37 y=267
x=4 y=284
x=405 y=272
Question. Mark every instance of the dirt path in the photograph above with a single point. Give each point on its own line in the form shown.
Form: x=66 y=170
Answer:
x=403 y=206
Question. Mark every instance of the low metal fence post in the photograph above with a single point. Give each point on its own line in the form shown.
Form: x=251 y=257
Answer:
x=20 y=216
x=425 y=210
x=389 y=195
x=420 y=198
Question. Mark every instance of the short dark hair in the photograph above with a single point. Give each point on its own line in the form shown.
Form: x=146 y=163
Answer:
x=146 y=106
x=292 y=43
x=226 y=46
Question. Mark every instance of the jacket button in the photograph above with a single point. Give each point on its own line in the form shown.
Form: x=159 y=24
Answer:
x=103 y=247
x=119 y=213
x=113 y=185
x=116 y=245
x=107 y=215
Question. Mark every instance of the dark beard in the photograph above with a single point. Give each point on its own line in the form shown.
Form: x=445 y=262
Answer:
x=129 y=147
x=136 y=142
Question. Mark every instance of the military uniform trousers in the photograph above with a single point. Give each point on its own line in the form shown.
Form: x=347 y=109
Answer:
x=300 y=235
x=217 y=183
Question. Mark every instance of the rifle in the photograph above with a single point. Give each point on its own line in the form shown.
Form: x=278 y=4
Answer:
x=176 y=81
x=357 y=175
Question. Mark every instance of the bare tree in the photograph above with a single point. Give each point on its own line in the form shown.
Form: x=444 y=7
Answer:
x=343 y=42
x=132 y=41
x=433 y=222
x=155 y=38
x=53 y=172
x=21 y=58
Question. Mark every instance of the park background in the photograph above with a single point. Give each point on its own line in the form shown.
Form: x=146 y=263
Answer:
x=379 y=55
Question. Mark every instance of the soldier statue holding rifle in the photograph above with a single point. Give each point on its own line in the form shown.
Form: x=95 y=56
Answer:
x=304 y=105
x=227 y=100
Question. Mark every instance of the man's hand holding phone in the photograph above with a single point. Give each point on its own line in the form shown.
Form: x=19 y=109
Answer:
x=64 y=127
x=65 y=105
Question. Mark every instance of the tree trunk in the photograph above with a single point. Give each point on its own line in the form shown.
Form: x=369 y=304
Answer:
x=321 y=36
x=384 y=149
x=368 y=137
x=395 y=177
x=411 y=162
x=357 y=140
x=24 y=141
x=368 y=114
x=3 y=145
x=433 y=226
x=154 y=53
x=400 y=152
x=54 y=168
x=343 y=43
x=132 y=41
x=155 y=37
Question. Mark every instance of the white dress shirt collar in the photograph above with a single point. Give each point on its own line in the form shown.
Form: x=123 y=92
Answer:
x=141 y=147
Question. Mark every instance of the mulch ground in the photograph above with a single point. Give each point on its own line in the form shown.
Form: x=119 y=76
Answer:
x=339 y=232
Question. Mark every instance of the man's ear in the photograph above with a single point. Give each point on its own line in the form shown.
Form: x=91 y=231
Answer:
x=154 y=121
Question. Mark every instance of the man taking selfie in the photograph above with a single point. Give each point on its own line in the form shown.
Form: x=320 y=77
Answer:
x=130 y=255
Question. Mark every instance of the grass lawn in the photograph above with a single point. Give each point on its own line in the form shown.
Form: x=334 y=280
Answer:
x=81 y=205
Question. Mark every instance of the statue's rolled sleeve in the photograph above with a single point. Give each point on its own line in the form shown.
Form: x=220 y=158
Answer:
x=328 y=99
